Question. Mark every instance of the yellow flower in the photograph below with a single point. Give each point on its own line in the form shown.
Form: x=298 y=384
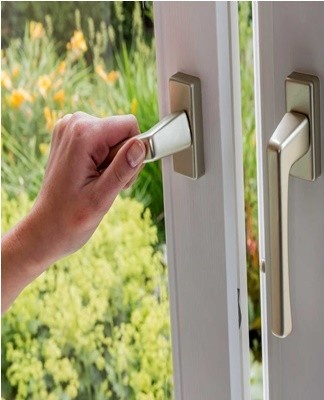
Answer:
x=77 y=44
x=50 y=118
x=5 y=80
x=18 y=97
x=15 y=71
x=61 y=67
x=36 y=30
x=134 y=105
x=112 y=76
x=44 y=83
x=59 y=97
x=43 y=148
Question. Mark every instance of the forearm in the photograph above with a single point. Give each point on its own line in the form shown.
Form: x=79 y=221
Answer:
x=23 y=259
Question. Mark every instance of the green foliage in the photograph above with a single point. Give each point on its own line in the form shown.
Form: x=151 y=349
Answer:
x=14 y=16
x=96 y=324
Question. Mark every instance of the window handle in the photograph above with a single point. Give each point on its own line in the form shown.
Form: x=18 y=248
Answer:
x=294 y=149
x=180 y=133
x=169 y=136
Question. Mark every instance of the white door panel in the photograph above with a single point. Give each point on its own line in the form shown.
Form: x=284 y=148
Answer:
x=205 y=218
x=289 y=36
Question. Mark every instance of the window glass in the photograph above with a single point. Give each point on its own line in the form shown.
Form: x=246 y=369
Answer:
x=96 y=324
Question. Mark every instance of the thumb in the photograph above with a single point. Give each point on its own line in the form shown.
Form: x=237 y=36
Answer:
x=123 y=168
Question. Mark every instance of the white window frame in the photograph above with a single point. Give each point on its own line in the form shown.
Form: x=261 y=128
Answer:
x=289 y=36
x=205 y=218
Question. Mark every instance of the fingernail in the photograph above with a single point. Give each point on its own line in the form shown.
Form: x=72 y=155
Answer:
x=135 y=154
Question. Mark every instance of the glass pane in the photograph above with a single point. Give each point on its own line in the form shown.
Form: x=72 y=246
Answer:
x=251 y=205
x=96 y=324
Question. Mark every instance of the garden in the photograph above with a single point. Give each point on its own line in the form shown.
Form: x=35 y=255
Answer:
x=96 y=324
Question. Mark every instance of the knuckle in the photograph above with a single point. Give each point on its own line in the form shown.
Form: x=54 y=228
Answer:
x=57 y=132
x=79 y=114
x=79 y=125
x=57 y=129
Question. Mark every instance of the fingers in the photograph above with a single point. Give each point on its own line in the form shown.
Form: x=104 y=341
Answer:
x=124 y=167
x=100 y=134
x=100 y=145
x=108 y=133
x=111 y=130
x=120 y=127
x=61 y=122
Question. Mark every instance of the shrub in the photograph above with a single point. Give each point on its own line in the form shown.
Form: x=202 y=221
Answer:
x=96 y=324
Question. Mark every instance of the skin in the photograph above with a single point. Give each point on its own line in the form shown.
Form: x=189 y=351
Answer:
x=81 y=181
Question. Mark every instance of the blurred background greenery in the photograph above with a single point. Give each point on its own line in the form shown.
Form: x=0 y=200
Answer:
x=98 y=57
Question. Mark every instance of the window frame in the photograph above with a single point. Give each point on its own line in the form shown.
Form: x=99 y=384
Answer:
x=205 y=218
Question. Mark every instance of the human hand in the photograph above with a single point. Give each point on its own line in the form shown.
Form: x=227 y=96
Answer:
x=77 y=192
x=84 y=174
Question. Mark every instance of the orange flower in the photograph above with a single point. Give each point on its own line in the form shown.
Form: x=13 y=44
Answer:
x=18 y=97
x=44 y=83
x=61 y=67
x=59 y=97
x=112 y=76
x=77 y=44
x=5 y=80
x=36 y=30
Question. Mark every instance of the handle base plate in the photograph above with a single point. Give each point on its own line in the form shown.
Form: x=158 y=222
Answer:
x=185 y=95
x=302 y=96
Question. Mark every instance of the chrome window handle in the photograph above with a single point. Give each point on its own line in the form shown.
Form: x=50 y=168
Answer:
x=294 y=149
x=180 y=133
x=169 y=136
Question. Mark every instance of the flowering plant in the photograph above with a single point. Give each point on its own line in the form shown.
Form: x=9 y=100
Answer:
x=39 y=86
x=95 y=325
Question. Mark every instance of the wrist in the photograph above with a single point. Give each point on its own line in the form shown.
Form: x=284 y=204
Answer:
x=28 y=240
x=22 y=260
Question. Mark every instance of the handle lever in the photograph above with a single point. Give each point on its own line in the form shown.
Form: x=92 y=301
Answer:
x=288 y=144
x=180 y=133
x=169 y=136
x=294 y=149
